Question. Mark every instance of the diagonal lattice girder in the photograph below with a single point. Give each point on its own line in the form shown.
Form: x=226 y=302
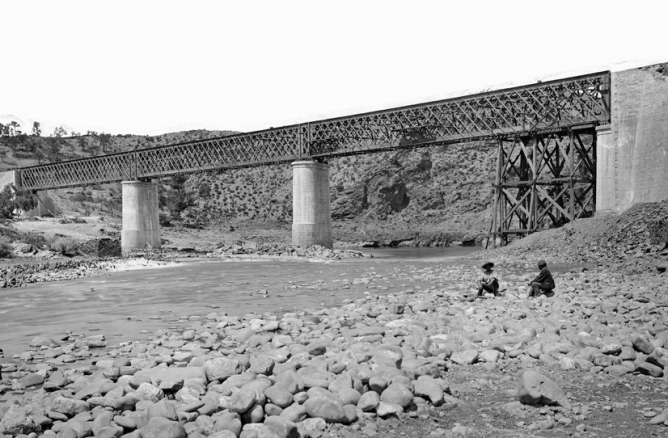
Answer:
x=512 y=112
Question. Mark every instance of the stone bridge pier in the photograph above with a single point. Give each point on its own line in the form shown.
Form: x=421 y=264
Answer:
x=311 y=216
x=311 y=223
x=141 y=216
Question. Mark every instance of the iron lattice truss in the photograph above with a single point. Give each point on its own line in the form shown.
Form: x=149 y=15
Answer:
x=543 y=181
x=542 y=107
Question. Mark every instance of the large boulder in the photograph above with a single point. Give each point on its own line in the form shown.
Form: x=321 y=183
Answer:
x=537 y=389
x=17 y=420
x=160 y=427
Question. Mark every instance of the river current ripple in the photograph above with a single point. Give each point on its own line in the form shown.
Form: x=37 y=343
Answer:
x=126 y=305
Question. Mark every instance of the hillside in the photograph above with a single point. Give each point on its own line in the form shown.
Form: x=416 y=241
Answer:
x=424 y=195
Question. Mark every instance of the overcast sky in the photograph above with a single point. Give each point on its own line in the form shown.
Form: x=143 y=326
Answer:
x=148 y=67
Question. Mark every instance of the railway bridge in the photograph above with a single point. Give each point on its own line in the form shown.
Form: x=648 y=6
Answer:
x=566 y=149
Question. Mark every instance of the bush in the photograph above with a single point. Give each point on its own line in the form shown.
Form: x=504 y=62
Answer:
x=13 y=199
x=36 y=240
x=66 y=246
x=6 y=249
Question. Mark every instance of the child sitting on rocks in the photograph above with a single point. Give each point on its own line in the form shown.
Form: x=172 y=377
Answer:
x=488 y=282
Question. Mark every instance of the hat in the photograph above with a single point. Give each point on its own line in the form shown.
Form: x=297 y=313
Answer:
x=488 y=265
x=542 y=263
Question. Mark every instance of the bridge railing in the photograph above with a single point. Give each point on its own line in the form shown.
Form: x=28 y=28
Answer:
x=542 y=107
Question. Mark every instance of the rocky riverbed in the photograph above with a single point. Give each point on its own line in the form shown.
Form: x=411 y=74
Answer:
x=402 y=360
x=416 y=362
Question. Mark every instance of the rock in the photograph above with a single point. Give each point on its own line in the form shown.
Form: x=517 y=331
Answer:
x=641 y=344
x=649 y=369
x=163 y=409
x=295 y=413
x=385 y=409
x=349 y=396
x=618 y=370
x=241 y=402
x=311 y=427
x=369 y=401
x=228 y=421
x=221 y=368
x=661 y=418
x=326 y=408
x=160 y=374
x=466 y=357
x=490 y=356
x=159 y=427
x=537 y=389
x=612 y=349
x=40 y=341
x=18 y=420
x=280 y=428
x=378 y=384
x=279 y=395
x=397 y=394
x=314 y=377
x=261 y=364
x=223 y=434
x=428 y=387
x=68 y=406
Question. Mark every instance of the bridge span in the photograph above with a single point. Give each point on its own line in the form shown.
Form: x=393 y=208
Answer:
x=548 y=135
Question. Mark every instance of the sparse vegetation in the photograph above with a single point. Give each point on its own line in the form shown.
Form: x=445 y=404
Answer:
x=5 y=248
x=452 y=183
x=66 y=246
x=13 y=200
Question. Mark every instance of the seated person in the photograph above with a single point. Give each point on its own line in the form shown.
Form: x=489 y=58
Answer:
x=543 y=283
x=488 y=282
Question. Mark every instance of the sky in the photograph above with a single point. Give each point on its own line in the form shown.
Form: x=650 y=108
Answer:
x=149 y=67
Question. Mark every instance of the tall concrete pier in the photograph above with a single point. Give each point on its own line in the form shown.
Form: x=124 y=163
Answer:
x=311 y=217
x=141 y=216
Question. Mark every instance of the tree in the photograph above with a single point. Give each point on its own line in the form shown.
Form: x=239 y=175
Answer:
x=11 y=129
x=59 y=132
x=178 y=198
x=14 y=200
x=36 y=129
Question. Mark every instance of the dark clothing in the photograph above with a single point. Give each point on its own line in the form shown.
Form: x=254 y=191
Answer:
x=542 y=284
x=544 y=277
x=488 y=283
x=492 y=287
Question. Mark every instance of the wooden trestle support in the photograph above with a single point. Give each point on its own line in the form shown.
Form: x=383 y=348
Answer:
x=543 y=181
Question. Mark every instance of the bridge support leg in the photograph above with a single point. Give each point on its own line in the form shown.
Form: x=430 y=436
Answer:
x=141 y=222
x=311 y=217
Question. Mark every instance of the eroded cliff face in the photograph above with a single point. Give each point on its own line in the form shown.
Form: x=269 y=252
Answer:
x=414 y=194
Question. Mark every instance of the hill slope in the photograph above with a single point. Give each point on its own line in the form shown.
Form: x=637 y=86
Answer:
x=423 y=195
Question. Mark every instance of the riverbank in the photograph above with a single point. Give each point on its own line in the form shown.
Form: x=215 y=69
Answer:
x=412 y=355
x=381 y=347
x=19 y=272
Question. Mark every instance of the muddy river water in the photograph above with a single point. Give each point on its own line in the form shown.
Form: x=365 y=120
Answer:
x=123 y=304
x=126 y=305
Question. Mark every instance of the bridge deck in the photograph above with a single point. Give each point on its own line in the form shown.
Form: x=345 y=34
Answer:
x=542 y=107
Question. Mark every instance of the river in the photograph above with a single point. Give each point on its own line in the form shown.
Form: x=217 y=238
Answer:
x=127 y=305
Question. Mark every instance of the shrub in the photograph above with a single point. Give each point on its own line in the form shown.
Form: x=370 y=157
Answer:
x=6 y=249
x=66 y=246
x=36 y=240
x=13 y=199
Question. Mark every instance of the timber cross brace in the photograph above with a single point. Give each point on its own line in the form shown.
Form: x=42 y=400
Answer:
x=543 y=181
